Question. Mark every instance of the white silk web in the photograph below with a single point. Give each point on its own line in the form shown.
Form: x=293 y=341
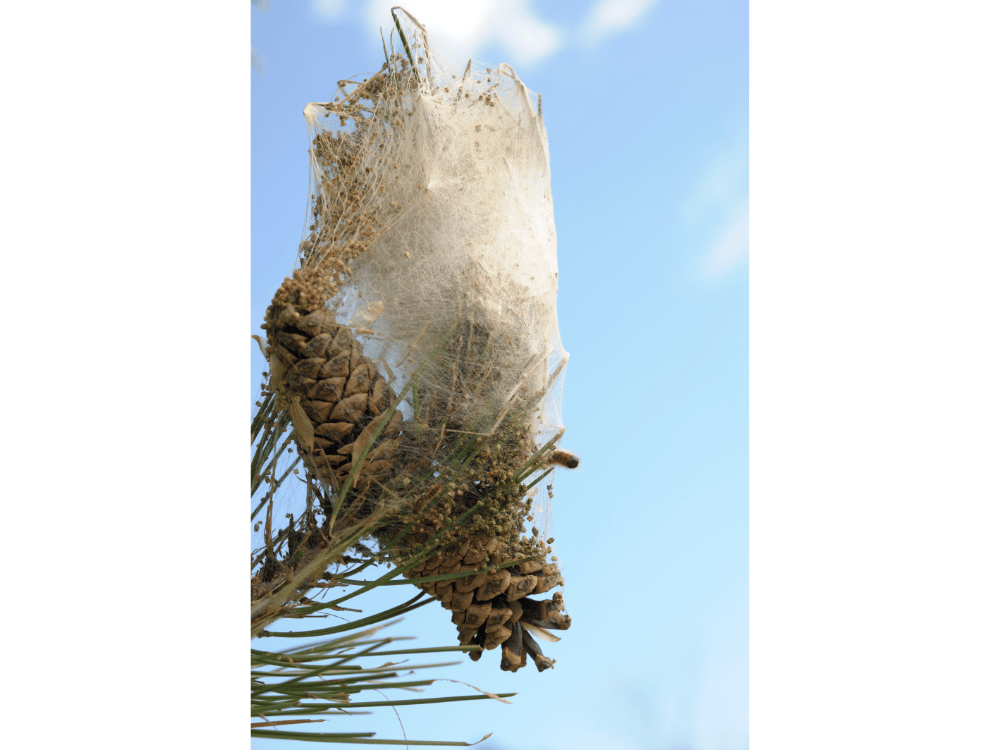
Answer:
x=431 y=195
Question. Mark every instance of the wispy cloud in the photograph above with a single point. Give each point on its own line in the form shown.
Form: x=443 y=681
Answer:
x=718 y=206
x=731 y=247
x=329 y=10
x=610 y=16
x=721 y=183
x=467 y=27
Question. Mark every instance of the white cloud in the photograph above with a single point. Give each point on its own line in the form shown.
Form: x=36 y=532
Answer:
x=466 y=27
x=731 y=247
x=609 y=16
x=329 y=10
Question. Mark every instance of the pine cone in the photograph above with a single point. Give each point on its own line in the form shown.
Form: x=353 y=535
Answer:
x=336 y=397
x=491 y=609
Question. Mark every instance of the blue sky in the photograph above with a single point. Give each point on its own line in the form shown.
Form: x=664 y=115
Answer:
x=646 y=107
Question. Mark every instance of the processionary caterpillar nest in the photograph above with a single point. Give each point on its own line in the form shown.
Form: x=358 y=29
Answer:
x=416 y=345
